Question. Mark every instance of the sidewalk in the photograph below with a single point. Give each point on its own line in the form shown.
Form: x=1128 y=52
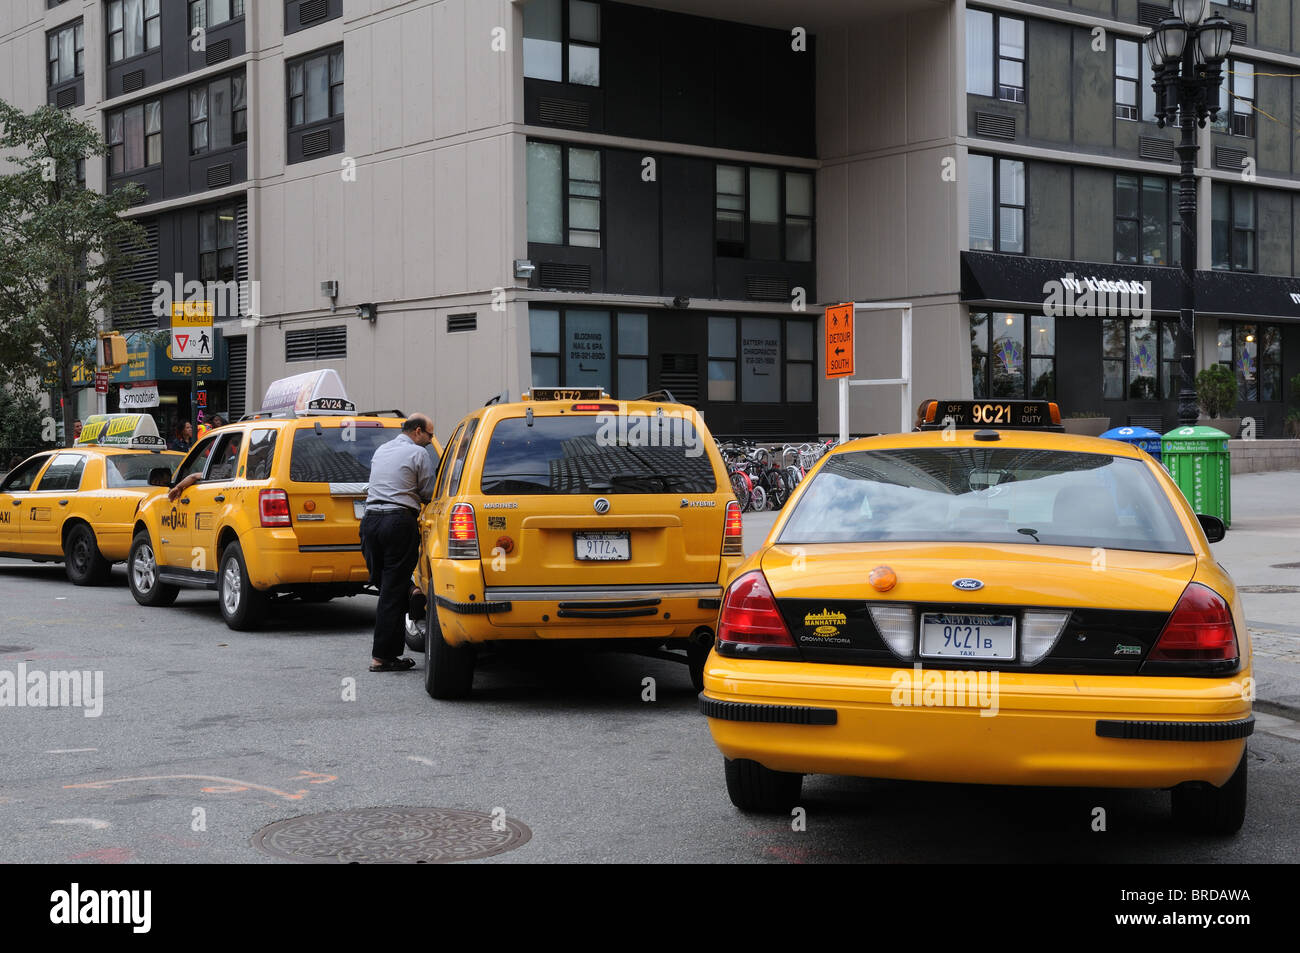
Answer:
x=1262 y=552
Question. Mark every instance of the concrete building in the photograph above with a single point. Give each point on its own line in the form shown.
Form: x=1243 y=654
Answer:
x=446 y=199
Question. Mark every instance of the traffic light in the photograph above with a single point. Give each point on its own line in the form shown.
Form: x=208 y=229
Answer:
x=112 y=350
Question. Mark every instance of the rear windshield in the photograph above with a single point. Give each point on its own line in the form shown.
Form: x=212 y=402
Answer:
x=336 y=454
x=597 y=454
x=1034 y=497
x=132 y=469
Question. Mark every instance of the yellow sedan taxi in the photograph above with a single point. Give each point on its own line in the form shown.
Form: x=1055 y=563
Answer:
x=570 y=515
x=986 y=601
x=76 y=505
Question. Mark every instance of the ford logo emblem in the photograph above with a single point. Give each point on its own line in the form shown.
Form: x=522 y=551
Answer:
x=601 y=505
x=967 y=585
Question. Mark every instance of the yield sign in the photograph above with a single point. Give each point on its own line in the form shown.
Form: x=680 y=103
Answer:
x=183 y=340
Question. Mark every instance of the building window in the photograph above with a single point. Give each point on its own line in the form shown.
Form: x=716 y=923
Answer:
x=1237 y=99
x=997 y=226
x=316 y=88
x=574 y=347
x=210 y=13
x=217 y=244
x=1232 y=246
x=135 y=137
x=1146 y=220
x=1236 y=4
x=1127 y=71
x=562 y=41
x=1012 y=355
x=67 y=52
x=564 y=195
x=1253 y=352
x=1004 y=72
x=763 y=213
x=218 y=115
x=134 y=27
x=722 y=359
x=1139 y=359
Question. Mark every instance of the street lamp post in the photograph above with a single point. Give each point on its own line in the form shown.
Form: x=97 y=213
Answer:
x=1187 y=53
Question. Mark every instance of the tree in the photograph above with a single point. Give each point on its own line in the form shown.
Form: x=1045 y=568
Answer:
x=61 y=248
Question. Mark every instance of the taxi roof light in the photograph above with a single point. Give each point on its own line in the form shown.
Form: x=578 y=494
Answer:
x=1200 y=629
x=897 y=626
x=274 y=507
x=749 y=614
x=733 y=531
x=462 y=533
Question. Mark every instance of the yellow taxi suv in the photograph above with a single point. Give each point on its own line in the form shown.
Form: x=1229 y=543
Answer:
x=569 y=516
x=267 y=508
x=986 y=601
x=76 y=505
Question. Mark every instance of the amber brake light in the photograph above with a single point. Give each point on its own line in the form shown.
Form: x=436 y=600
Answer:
x=462 y=533
x=749 y=614
x=733 y=531
x=612 y=408
x=274 y=506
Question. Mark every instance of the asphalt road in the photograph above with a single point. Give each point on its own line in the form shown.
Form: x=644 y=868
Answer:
x=238 y=730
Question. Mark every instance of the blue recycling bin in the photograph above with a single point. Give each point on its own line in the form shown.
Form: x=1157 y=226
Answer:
x=1147 y=440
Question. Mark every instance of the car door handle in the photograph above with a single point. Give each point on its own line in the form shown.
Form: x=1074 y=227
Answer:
x=63 y=502
x=17 y=502
x=185 y=499
x=219 y=499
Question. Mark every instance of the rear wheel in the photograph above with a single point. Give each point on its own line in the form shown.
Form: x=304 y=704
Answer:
x=448 y=670
x=1204 y=809
x=755 y=788
x=740 y=487
x=416 y=634
x=758 y=499
x=697 y=653
x=142 y=575
x=82 y=560
x=242 y=606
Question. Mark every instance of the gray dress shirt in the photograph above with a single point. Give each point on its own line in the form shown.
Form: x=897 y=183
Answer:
x=401 y=474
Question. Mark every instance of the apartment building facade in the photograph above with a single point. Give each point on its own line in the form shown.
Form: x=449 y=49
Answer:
x=448 y=199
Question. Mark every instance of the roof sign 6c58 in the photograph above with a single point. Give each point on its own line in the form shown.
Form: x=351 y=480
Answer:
x=121 y=430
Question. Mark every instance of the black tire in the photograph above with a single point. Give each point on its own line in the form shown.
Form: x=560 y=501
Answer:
x=448 y=670
x=242 y=606
x=142 y=575
x=82 y=560
x=1202 y=808
x=741 y=489
x=416 y=634
x=757 y=789
x=758 y=498
x=697 y=653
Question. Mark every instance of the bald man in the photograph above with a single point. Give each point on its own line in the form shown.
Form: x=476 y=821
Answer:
x=401 y=481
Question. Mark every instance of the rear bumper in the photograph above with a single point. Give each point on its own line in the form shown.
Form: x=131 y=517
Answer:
x=1020 y=729
x=275 y=558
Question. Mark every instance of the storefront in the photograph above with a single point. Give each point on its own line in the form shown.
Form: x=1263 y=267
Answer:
x=1101 y=339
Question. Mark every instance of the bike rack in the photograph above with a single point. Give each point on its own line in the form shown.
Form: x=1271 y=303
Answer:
x=905 y=366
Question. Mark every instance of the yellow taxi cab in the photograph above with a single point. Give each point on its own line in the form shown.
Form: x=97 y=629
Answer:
x=986 y=601
x=269 y=507
x=569 y=515
x=76 y=505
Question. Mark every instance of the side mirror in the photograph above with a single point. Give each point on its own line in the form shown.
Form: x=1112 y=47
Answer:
x=160 y=476
x=1213 y=526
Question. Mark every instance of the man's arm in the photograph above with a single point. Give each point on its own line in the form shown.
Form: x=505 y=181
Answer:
x=424 y=477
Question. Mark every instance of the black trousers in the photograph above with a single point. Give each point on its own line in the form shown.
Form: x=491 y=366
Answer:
x=390 y=541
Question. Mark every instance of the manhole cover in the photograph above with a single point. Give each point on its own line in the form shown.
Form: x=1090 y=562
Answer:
x=1286 y=565
x=14 y=649
x=392 y=835
x=1268 y=588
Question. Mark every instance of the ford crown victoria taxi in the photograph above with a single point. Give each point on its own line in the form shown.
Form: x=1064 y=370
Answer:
x=993 y=605
x=267 y=507
x=76 y=505
x=569 y=515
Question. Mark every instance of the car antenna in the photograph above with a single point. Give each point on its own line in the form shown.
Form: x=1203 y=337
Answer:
x=528 y=414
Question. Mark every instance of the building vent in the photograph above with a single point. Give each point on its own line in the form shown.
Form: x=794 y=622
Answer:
x=309 y=11
x=1153 y=147
x=66 y=97
x=1156 y=423
x=219 y=52
x=1149 y=14
x=1227 y=158
x=315 y=143
x=461 y=322
x=1239 y=33
x=680 y=373
x=316 y=344
x=563 y=276
x=767 y=287
x=137 y=314
x=563 y=112
x=237 y=384
x=994 y=126
x=133 y=81
x=219 y=175
x=241 y=257
x=763 y=426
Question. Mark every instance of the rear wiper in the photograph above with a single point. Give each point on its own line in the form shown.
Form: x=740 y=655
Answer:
x=1029 y=532
x=662 y=478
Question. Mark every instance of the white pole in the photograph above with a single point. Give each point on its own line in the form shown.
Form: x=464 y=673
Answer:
x=907 y=370
x=844 y=409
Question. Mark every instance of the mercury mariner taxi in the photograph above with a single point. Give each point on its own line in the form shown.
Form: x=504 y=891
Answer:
x=76 y=505
x=989 y=602
x=570 y=515
x=266 y=507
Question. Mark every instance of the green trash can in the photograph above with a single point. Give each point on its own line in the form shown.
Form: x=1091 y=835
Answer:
x=1198 y=460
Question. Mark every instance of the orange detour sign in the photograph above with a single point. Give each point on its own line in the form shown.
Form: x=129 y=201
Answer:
x=839 y=340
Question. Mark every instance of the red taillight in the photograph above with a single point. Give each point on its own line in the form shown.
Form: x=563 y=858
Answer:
x=733 y=531
x=1199 y=630
x=462 y=534
x=749 y=614
x=274 y=505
